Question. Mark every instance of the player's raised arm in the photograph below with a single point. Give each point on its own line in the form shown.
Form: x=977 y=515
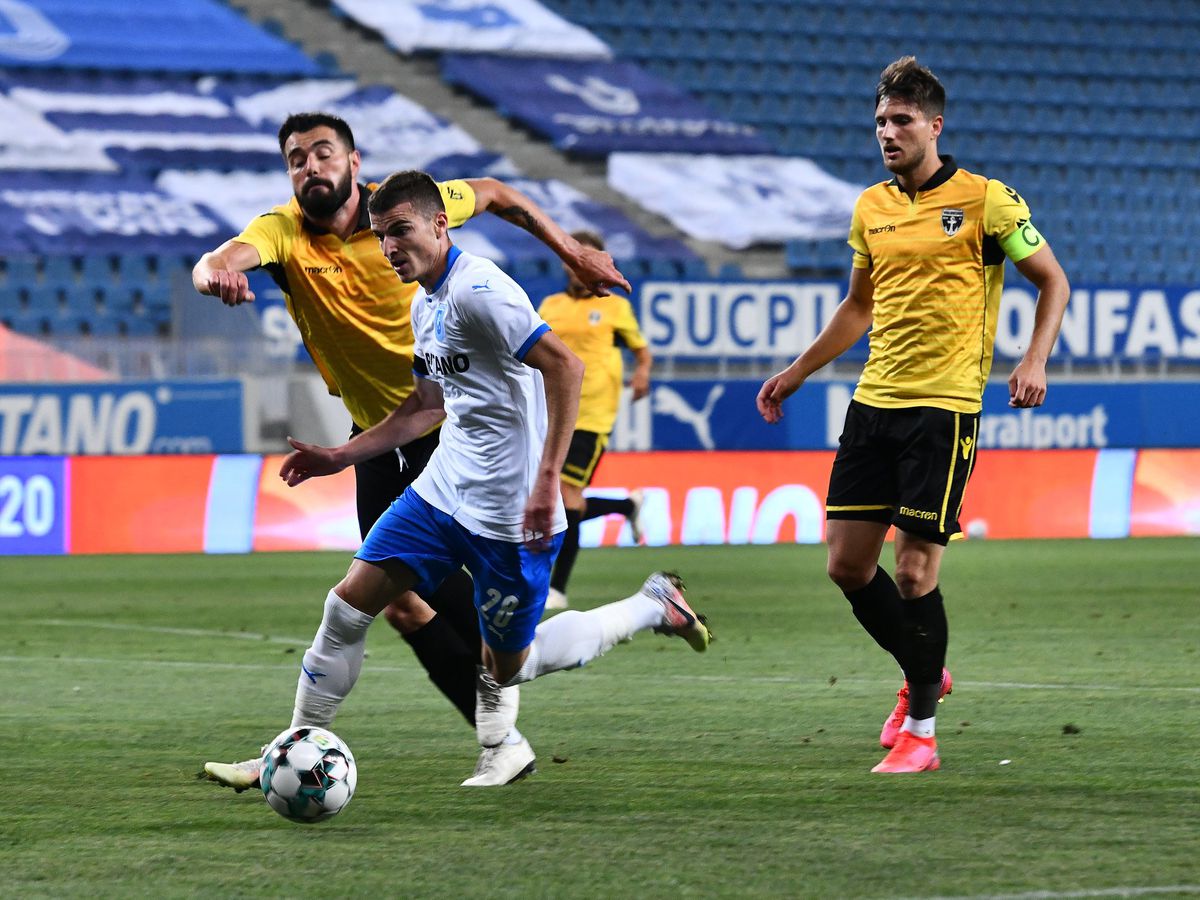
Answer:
x=222 y=272
x=420 y=411
x=562 y=375
x=1027 y=384
x=849 y=323
x=595 y=268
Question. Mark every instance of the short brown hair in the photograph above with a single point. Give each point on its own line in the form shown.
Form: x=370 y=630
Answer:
x=591 y=238
x=417 y=188
x=907 y=79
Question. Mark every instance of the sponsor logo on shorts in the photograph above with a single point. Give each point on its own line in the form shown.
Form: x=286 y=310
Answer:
x=925 y=514
x=967 y=444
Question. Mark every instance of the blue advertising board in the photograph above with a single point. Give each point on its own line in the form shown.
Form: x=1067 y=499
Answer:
x=121 y=418
x=721 y=415
x=32 y=506
x=713 y=319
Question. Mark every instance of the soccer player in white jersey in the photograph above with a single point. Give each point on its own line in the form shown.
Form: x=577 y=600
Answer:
x=488 y=499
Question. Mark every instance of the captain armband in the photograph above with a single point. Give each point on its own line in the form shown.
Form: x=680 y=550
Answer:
x=1025 y=241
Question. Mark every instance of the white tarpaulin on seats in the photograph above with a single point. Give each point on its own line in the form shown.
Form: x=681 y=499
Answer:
x=519 y=27
x=392 y=131
x=737 y=200
x=238 y=197
x=30 y=142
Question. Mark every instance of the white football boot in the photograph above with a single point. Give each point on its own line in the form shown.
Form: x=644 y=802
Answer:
x=240 y=776
x=637 y=498
x=502 y=765
x=556 y=599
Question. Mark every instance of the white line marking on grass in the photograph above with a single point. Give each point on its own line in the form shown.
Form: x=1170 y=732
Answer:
x=182 y=632
x=1098 y=892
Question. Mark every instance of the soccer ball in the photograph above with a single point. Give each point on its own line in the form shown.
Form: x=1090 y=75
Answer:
x=308 y=774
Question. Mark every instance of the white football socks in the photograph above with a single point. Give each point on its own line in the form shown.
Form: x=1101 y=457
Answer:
x=331 y=665
x=922 y=728
x=574 y=638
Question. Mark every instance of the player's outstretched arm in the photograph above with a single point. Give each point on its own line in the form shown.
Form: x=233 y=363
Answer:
x=640 y=381
x=595 y=268
x=222 y=272
x=849 y=323
x=1027 y=384
x=420 y=411
x=562 y=376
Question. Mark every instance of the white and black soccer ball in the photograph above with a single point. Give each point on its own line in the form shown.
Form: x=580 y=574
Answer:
x=308 y=774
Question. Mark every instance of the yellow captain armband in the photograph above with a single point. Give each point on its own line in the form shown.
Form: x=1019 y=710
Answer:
x=1023 y=242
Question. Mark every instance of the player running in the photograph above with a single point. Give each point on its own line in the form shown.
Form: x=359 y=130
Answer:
x=353 y=314
x=488 y=499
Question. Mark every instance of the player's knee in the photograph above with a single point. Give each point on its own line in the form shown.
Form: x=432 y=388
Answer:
x=914 y=577
x=399 y=618
x=408 y=613
x=850 y=574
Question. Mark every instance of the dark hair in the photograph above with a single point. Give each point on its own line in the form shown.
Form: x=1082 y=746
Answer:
x=307 y=121
x=907 y=79
x=417 y=188
x=591 y=238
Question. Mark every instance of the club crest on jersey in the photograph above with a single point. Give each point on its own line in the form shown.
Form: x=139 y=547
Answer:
x=594 y=317
x=952 y=220
x=439 y=323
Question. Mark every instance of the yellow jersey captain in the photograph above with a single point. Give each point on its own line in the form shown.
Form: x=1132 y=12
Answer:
x=929 y=251
x=595 y=328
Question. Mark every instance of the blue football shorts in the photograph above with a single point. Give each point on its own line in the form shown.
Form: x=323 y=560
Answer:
x=511 y=581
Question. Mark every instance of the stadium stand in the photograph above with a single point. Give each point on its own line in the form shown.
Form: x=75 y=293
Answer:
x=128 y=164
x=1091 y=109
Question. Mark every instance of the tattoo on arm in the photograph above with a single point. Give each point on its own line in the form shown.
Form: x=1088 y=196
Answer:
x=522 y=218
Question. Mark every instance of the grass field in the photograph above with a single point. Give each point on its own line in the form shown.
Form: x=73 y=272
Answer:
x=663 y=773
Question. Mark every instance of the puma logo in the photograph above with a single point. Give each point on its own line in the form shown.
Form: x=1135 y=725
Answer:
x=967 y=444
x=668 y=402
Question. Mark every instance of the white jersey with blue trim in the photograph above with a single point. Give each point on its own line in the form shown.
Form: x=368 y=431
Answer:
x=471 y=333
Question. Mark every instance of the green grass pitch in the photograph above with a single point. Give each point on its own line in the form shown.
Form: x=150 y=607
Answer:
x=1069 y=745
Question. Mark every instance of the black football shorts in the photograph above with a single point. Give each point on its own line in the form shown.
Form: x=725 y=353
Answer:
x=905 y=467
x=583 y=456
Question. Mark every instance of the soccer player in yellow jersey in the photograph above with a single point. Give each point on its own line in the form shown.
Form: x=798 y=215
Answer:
x=594 y=328
x=929 y=251
x=353 y=313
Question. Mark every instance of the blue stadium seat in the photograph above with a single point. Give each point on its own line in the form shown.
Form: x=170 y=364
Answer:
x=20 y=271
x=59 y=271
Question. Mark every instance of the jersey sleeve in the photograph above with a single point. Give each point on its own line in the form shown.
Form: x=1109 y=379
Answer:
x=626 y=325
x=459 y=198
x=857 y=240
x=504 y=311
x=1006 y=218
x=271 y=234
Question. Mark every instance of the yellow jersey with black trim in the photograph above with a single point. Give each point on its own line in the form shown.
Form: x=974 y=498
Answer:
x=351 y=308
x=937 y=266
x=594 y=328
